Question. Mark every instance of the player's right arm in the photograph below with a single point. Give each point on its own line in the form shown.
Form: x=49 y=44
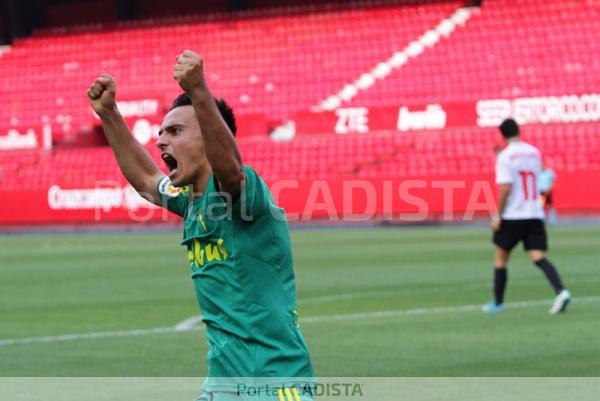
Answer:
x=504 y=181
x=136 y=164
x=503 y=194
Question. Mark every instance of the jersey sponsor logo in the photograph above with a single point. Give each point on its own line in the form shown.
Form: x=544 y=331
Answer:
x=166 y=188
x=200 y=253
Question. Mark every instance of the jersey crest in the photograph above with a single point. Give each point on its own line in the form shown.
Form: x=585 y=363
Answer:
x=167 y=189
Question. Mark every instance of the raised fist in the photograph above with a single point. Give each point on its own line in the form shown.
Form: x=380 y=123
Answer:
x=101 y=94
x=189 y=72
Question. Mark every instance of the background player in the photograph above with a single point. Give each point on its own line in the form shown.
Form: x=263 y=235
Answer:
x=545 y=186
x=237 y=239
x=520 y=216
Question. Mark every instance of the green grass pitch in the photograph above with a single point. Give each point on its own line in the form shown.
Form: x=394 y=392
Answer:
x=428 y=282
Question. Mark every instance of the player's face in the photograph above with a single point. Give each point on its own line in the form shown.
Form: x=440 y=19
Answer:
x=181 y=146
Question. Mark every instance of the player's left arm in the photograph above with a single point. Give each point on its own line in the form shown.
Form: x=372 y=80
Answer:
x=220 y=146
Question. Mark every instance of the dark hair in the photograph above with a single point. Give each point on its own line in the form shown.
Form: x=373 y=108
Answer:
x=509 y=128
x=224 y=109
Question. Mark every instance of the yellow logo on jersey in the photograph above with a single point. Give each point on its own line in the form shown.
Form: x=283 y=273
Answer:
x=199 y=254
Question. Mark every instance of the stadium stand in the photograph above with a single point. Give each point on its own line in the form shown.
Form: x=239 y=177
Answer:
x=273 y=65
x=286 y=60
x=459 y=151
x=512 y=48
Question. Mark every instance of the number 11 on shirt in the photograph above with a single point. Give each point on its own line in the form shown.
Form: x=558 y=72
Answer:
x=526 y=177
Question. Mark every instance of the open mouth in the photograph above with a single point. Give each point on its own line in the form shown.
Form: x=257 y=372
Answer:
x=171 y=163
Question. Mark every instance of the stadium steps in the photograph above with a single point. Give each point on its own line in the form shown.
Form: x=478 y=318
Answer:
x=398 y=59
x=512 y=48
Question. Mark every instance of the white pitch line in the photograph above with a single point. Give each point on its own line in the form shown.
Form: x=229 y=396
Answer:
x=341 y=297
x=187 y=324
x=193 y=321
x=87 y=336
x=405 y=291
x=431 y=311
x=312 y=319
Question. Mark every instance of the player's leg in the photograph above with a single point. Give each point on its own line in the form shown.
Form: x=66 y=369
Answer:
x=500 y=274
x=538 y=257
x=501 y=257
x=504 y=239
x=536 y=245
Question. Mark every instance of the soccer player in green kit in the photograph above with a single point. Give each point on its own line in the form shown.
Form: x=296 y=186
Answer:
x=237 y=239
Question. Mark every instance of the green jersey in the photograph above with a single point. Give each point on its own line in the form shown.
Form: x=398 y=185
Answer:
x=240 y=257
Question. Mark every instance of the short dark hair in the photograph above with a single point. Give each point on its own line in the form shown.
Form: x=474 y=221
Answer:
x=509 y=128
x=224 y=109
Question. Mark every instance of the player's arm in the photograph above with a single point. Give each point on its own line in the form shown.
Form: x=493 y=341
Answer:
x=220 y=146
x=135 y=162
x=503 y=193
x=504 y=180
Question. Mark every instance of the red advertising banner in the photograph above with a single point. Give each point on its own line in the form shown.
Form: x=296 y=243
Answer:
x=79 y=206
x=144 y=117
x=362 y=120
x=437 y=116
x=448 y=198
x=25 y=138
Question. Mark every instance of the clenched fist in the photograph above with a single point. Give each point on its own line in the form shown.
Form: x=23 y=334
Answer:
x=101 y=94
x=189 y=72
